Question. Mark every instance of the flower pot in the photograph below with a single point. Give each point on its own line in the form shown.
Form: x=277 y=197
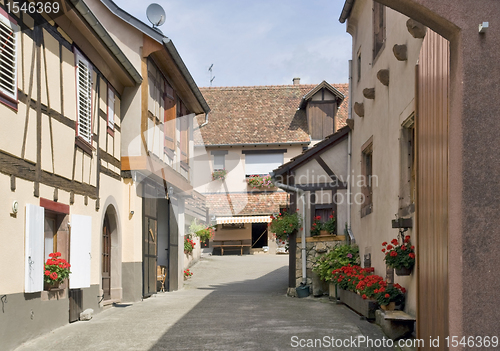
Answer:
x=403 y=271
x=390 y=307
x=51 y=286
x=323 y=233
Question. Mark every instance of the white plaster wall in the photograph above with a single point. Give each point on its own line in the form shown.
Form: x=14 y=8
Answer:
x=382 y=120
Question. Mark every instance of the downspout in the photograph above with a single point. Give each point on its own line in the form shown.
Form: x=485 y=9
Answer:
x=301 y=193
x=206 y=120
x=349 y=160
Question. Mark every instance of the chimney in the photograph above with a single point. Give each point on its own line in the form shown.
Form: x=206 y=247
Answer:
x=296 y=81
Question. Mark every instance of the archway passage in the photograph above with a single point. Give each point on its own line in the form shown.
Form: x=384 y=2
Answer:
x=106 y=258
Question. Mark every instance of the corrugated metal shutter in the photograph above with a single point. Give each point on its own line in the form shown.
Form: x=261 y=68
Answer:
x=34 y=246
x=84 y=97
x=80 y=251
x=8 y=57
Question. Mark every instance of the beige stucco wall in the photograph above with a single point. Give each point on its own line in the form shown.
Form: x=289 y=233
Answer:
x=383 y=118
x=234 y=164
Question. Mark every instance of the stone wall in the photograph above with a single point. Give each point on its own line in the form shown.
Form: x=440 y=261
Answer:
x=315 y=248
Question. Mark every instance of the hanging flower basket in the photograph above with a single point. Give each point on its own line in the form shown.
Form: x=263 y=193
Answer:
x=403 y=271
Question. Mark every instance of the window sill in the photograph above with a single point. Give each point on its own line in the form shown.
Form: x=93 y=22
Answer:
x=9 y=102
x=84 y=146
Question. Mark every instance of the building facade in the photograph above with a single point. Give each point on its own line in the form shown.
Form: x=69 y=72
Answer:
x=60 y=102
x=250 y=132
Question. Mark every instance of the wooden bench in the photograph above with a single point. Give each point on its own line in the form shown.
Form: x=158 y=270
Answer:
x=229 y=244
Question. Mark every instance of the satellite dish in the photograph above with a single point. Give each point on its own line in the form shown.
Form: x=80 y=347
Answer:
x=156 y=15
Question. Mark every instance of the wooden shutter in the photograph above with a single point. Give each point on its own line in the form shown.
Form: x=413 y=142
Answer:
x=170 y=113
x=34 y=246
x=84 y=97
x=111 y=108
x=80 y=251
x=8 y=57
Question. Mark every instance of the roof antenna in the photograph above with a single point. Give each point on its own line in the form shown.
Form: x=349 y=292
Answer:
x=211 y=77
x=156 y=15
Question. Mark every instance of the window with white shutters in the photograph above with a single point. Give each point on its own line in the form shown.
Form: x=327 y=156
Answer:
x=111 y=109
x=8 y=57
x=84 y=97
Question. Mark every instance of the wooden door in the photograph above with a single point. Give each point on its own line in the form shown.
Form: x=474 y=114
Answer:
x=431 y=123
x=149 y=247
x=106 y=259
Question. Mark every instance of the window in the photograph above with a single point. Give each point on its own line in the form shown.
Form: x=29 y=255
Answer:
x=378 y=27
x=111 y=109
x=262 y=163
x=359 y=66
x=219 y=159
x=84 y=98
x=408 y=169
x=367 y=181
x=169 y=129
x=8 y=59
x=50 y=235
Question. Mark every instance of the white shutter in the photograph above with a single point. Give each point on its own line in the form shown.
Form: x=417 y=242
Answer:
x=84 y=97
x=111 y=108
x=80 y=247
x=262 y=163
x=34 y=245
x=8 y=57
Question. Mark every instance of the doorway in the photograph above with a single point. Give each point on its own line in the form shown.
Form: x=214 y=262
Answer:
x=106 y=258
x=259 y=235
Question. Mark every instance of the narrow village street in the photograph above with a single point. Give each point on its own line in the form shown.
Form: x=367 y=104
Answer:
x=230 y=303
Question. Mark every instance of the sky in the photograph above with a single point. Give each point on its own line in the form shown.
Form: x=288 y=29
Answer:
x=255 y=42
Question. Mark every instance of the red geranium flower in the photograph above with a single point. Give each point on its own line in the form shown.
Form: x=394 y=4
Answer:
x=47 y=273
x=364 y=297
x=383 y=250
x=387 y=296
x=389 y=247
x=384 y=243
x=411 y=254
x=394 y=253
x=403 y=247
x=407 y=238
x=53 y=276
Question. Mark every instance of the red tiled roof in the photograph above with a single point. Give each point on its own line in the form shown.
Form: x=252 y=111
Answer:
x=246 y=204
x=259 y=114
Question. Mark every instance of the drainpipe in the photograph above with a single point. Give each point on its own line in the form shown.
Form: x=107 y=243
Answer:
x=206 y=121
x=349 y=160
x=301 y=193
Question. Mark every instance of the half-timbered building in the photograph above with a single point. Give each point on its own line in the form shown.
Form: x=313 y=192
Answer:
x=63 y=80
x=156 y=154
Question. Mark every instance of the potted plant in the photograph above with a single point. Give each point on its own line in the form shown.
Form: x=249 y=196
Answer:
x=56 y=270
x=284 y=224
x=219 y=174
x=341 y=255
x=187 y=274
x=205 y=234
x=400 y=256
x=391 y=296
x=316 y=226
x=188 y=245
x=331 y=225
x=257 y=181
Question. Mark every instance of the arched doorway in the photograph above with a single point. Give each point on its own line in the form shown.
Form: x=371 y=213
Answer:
x=111 y=257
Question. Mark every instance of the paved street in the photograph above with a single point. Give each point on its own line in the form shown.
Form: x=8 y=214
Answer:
x=231 y=303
